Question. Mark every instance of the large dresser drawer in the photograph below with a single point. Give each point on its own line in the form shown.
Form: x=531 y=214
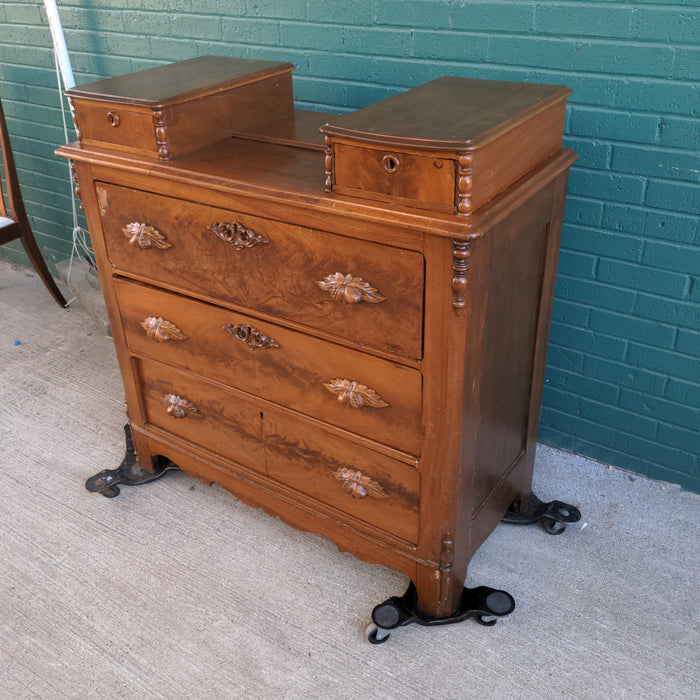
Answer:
x=369 y=293
x=355 y=391
x=351 y=478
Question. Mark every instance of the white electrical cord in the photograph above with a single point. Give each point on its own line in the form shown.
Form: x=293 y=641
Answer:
x=81 y=246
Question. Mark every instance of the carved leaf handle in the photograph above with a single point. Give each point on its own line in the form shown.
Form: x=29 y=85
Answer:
x=161 y=330
x=354 y=394
x=179 y=407
x=144 y=236
x=359 y=485
x=349 y=289
x=237 y=235
x=250 y=335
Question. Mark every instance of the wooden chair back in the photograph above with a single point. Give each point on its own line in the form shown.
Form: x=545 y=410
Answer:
x=14 y=222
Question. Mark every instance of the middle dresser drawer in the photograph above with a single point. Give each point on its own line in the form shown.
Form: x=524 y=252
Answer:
x=361 y=393
x=368 y=293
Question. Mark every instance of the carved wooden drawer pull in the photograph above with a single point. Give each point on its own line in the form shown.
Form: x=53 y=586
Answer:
x=251 y=336
x=179 y=407
x=354 y=394
x=359 y=485
x=144 y=236
x=237 y=235
x=161 y=330
x=350 y=289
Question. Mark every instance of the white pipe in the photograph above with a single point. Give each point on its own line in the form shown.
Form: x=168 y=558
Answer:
x=59 y=43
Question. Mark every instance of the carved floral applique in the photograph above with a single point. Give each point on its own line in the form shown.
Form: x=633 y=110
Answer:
x=354 y=394
x=250 y=335
x=179 y=407
x=359 y=485
x=161 y=330
x=349 y=289
x=144 y=236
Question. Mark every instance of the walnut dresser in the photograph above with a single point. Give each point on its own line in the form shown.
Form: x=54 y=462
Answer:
x=343 y=320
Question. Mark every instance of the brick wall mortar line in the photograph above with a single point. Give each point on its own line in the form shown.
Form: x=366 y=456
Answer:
x=675 y=341
x=601 y=354
x=581 y=375
x=641 y=207
x=689 y=287
x=626 y=433
x=622 y=409
x=671 y=150
x=643 y=178
x=561 y=73
x=645 y=188
x=604 y=5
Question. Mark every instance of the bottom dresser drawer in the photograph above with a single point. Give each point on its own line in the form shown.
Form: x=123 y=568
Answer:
x=203 y=414
x=354 y=479
x=288 y=449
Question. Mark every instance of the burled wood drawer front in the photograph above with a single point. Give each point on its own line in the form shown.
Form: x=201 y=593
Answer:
x=348 y=477
x=202 y=414
x=381 y=173
x=365 y=292
x=351 y=478
x=115 y=126
x=284 y=366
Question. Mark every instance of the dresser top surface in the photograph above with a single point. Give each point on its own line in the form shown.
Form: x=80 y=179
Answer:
x=448 y=113
x=178 y=82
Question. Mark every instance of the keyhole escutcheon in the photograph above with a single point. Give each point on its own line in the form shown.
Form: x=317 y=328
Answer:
x=391 y=163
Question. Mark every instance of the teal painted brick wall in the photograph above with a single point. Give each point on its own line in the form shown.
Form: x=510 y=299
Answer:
x=623 y=375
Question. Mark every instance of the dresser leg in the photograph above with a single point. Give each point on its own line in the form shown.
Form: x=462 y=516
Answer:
x=554 y=514
x=484 y=604
x=129 y=472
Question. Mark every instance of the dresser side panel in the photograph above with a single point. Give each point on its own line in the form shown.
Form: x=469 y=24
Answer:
x=503 y=161
x=543 y=327
x=521 y=249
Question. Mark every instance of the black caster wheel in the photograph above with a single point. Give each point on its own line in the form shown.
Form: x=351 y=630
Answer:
x=377 y=635
x=554 y=528
x=110 y=492
x=497 y=603
x=484 y=604
x=387 y=616
x=128 y=472
x=486 y=620
x=554 y=515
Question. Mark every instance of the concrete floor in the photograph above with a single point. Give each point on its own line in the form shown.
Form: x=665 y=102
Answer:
x=177 y=590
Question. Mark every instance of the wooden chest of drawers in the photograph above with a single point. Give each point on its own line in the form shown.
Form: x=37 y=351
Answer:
x=362 y=367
